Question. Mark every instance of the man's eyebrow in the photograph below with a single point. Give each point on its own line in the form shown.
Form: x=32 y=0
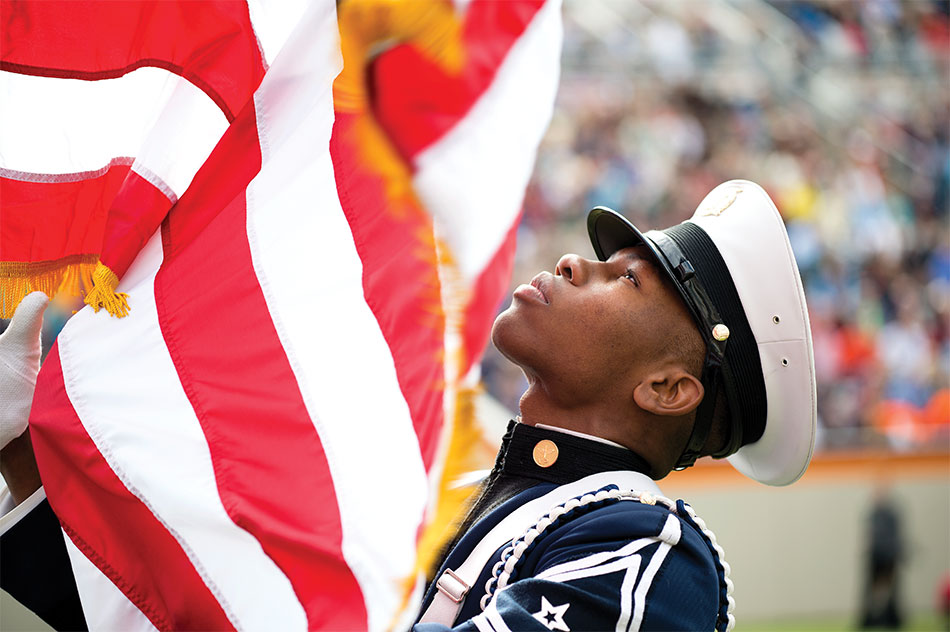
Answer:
x=631 y=252
x=640 y=253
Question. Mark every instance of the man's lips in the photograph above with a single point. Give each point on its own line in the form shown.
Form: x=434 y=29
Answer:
x=537 y=290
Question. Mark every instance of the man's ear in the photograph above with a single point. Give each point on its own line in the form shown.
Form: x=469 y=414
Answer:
x=672 y=392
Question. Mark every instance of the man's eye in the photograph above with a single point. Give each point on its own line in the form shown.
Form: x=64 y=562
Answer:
x=629 y=274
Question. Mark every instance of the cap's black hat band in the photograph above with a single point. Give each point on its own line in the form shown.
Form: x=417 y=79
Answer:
x=703 y=310
x=742 y=378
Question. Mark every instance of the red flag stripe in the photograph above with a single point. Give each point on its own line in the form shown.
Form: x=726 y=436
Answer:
x=112 y=213
x=309 y=263
x=400 y=280
x=118 y=613
x=43 y=220
x=487 y=291
x=162 y=452
x=159 y=579
x=243 y=389
x=212 y=45
x=417 y=102
x=134 y=215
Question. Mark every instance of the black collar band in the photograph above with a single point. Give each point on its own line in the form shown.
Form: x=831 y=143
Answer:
x=577 y=457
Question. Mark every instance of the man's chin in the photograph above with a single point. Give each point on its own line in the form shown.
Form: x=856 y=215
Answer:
x=505 y=334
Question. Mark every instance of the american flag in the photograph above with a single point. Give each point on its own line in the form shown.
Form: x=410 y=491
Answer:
x=253 y=446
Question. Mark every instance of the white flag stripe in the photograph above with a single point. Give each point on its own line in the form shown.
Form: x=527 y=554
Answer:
x=112 y=611
x=341 y=360
x=474 y=195
x=51 y=125
x=273 y=22
x=295 y=97
x=149 y=435
x=182 y=137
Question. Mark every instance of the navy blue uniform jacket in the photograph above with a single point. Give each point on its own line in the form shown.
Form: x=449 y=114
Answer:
x=616 y=560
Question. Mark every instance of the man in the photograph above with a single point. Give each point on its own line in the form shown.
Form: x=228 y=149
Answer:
x=689 y=342
x=677 y=344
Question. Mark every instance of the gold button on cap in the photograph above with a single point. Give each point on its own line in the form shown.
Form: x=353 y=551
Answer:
x=545 y=453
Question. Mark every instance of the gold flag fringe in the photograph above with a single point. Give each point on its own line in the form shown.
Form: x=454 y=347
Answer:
x=71 y=275
x=468 y=451
x=103 y=294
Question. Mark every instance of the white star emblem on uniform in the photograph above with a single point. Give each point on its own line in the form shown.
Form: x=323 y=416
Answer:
x=552 y=616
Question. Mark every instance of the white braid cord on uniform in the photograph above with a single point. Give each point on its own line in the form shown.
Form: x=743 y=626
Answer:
x=503 y=569
x=722 y=560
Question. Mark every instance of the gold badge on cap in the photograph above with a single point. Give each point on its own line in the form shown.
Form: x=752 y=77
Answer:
x=718 y=204
x=545 y=453
x=720 y=332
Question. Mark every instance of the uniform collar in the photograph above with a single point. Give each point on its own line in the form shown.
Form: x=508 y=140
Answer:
x=554 y=456
x=579 y=434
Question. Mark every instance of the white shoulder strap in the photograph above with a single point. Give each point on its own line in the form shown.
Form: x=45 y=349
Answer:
x=453 y=585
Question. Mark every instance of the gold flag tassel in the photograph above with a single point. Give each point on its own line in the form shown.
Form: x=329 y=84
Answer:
x=103 y=294
x=468 y=451
x=70 y=275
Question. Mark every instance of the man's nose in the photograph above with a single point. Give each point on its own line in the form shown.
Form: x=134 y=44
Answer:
x=572 y=267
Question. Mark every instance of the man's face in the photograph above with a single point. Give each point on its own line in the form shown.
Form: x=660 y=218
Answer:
x=592 y=327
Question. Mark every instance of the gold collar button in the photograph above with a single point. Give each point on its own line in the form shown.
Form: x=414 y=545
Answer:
x=545 y=453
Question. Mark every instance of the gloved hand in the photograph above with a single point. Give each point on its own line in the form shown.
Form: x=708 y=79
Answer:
x=20 y=349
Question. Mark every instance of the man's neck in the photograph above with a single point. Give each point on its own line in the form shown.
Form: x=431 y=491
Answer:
x=597 y=419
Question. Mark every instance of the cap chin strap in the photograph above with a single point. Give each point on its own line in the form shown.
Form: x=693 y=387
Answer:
x=706 y=316
x=712 y=370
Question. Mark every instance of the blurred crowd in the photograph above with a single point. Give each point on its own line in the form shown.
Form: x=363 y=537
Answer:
x=840 y=109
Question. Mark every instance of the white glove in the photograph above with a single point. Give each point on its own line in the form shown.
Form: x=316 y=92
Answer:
x=20 y=349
